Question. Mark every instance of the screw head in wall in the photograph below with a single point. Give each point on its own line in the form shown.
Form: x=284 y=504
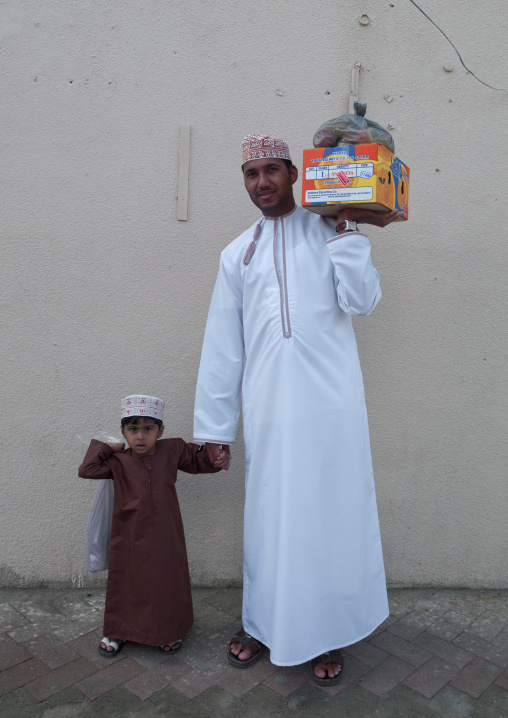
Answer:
x=364 y=20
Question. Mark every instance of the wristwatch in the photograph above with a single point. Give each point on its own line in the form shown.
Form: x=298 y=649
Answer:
x=348 y=225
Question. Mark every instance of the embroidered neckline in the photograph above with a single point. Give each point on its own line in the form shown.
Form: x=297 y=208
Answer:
x=282 y=216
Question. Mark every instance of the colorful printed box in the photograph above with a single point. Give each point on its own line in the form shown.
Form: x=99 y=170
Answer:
x=354 y=175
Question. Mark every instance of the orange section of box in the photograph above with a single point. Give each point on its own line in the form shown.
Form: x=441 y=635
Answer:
x=354 y=176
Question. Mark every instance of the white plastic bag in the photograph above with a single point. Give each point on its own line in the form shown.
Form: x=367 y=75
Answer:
x=98 y=527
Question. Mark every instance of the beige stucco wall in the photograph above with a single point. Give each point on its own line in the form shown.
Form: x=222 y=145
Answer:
x=105 y=293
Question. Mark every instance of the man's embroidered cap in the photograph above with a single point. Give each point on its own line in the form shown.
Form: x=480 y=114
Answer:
x=142 y=405
x=255 y=147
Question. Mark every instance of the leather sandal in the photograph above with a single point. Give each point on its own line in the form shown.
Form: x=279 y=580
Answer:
x=247 y=642
x=117 y=647
x=329 y=657
x=173 y=647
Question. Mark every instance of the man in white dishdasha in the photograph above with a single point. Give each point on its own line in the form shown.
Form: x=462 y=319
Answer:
x=279 y=341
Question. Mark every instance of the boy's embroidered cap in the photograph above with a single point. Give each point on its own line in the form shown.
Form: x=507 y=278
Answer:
x=255 y=147
x=142 y=405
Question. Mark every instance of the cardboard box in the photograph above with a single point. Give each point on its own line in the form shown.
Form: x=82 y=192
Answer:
x=354 y=175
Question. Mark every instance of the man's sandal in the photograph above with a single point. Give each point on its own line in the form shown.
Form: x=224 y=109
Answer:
x=171 y=647
x=247 y=642
x=117 y=647
x=330 y=657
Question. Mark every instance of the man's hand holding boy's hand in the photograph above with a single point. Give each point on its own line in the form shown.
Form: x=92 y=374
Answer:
x=368 y=216
x=116 y=446
x=218 y=455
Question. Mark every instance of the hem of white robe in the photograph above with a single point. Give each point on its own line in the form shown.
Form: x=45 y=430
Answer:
x=213 y=441
x=324 y=650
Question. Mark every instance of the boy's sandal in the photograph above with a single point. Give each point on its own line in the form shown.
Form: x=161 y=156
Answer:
x=171 y=647
x=117 y=647
x=247 y=642
x=329 y=657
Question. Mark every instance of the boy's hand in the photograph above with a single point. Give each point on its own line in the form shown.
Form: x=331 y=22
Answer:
x=218 y=455
x=116 y=446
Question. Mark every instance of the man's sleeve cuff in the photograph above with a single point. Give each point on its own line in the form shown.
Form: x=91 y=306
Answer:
x=200 y=440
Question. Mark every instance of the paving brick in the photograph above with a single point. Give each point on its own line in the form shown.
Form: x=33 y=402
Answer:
x=195 y=654
x=61 y=678
x=462 y=601
x=495 y=601
x=109 y=678
x=397 y=611
x=211 y=623
x=476 y=677
x=21 y=674
x=29 y=631
x=11 y=653
x=229 y=601
x=286 y=680
x=10 y=618
x=488 y=625
x=386 y=675
x=202 y=608
x=421 y=602
x=450 y=625
x=402 y=649
x=38 y=607
x=448 y=652
x=74 y=629
x=413 y=624
x=480 y=647
x=53 y=653
x=197 y=680
x=96 y=599
x=155 y=679
x=453 y=627
x=501 y=639
x=147 y=656
x=218 y=640
x=239 y=681
x=87 y=646
x=74 y=607
x=407 y=596
x=431 y=677
x=502 y=680
x=366 y=652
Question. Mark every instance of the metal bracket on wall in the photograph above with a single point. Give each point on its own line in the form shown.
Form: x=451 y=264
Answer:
x=355 y=81
x=183 y=172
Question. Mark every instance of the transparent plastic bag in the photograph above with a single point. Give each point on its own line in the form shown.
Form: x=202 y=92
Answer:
x=353 y=130
x=98 y=527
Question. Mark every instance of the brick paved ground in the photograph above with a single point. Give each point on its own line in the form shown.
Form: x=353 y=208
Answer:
x=440 y=653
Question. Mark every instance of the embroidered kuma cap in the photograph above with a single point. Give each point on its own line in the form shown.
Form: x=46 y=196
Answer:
x=255 y=147
x=142 y=405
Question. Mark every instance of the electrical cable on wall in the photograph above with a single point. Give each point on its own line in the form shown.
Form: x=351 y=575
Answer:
x=500 y=89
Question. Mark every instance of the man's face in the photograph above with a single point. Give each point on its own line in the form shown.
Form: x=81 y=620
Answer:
x=142 y=436
x=270 y=185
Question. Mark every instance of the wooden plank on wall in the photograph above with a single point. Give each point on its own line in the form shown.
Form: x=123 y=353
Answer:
x=183 y=172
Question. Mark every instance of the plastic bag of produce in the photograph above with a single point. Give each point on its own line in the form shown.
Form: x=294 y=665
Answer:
x=353 y=130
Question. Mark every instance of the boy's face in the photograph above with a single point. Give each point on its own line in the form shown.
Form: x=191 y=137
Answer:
x=142 y=436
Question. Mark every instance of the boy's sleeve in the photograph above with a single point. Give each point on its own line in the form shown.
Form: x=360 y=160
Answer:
x=96 y=462
x=194 y=460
